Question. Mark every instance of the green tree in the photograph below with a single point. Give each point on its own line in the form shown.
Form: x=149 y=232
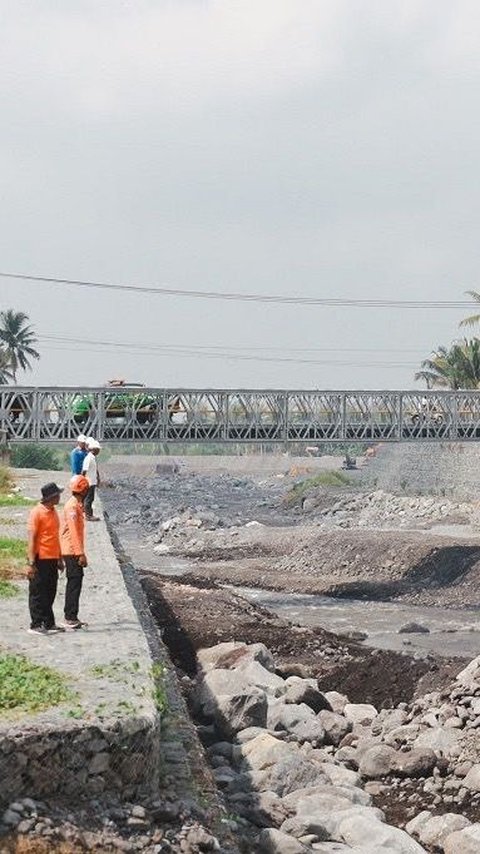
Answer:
x=457 y=367
x=17 y=339
x=474 y=318
x=6 y=373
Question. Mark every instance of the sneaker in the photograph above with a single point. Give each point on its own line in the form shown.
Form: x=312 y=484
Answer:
x=92 y=518
x=73 y=624
x=37 y=630
x=54 y=630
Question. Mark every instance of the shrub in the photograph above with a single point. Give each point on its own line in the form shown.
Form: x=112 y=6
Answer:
x=35 y=457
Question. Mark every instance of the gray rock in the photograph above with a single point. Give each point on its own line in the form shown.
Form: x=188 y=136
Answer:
x=272 y=841
x=437 y=828
x=378 y=761
x=442 y=741
x=418 y=762
x=305 y=691
x=413 y=628
x=358 y=713
x=465 y=841
x=335 y=726
x=260 y=677
x=472 y=779
x=337 y=701
x=232 y=653
x=362 y=831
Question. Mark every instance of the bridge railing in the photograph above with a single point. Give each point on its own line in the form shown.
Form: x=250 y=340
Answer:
x=47 y=414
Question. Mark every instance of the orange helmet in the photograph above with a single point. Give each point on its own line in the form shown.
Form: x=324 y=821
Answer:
x=79 y=483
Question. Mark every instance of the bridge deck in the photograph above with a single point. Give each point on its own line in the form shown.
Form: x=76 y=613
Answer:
x=29 y=414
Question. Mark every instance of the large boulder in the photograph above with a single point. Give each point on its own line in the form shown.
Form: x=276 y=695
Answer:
x=360 y=830
x=444 y=742
x=336 y=701
x=228 y=698
x=231 y=654
x=418 y=762
x=436 y=829
x=322 y=791
x=335 y=726
x=298 y=721
x=305 y=691
x=260 y=677
x=378 y=761
x=465 y=841
x=278 y=766
x=360 y=713
x=325 y=822
x=472 y=779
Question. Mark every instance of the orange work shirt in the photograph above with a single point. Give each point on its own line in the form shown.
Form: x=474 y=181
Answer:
x=44 y=525
x=72 y=534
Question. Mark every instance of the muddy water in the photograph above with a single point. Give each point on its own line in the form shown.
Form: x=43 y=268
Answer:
x=451 y=632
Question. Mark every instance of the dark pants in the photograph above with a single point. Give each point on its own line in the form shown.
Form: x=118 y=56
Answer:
x=41 y=594
x=88 y=503
x=73 y=589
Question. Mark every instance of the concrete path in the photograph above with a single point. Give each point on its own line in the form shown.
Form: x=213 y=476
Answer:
x=108 y=664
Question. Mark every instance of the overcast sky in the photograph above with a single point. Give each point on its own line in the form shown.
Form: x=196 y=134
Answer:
x=318 y=148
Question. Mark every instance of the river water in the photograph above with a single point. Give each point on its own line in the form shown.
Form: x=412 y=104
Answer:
x=452 y=632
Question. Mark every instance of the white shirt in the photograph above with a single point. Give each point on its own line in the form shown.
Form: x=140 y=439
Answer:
x=89 y=468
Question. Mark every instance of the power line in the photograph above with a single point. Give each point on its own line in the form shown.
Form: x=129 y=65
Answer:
x=248 y=297
x=182 y=352
x=202 y=347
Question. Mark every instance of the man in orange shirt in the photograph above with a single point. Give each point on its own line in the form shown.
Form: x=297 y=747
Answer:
x=44 y=561
x=72 y=541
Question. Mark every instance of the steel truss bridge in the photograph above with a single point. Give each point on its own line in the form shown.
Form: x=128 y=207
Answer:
x=162 y=415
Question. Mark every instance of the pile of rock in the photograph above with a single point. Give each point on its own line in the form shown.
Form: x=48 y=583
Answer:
x=381 y=509
x=302 y=767
x=155 y=827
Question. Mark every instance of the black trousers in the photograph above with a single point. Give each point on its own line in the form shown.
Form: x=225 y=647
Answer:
x=88 y=503
x=73 y=589
x=41 y=594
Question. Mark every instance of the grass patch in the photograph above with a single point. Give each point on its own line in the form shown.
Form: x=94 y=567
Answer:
x=29 y=687
x=325 y=478
x=7 y=589
x=159 y=690
x=13 y=556
x=16 y=501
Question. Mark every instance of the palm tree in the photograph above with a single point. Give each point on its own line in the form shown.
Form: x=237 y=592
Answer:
x=17 y=338
x=474 y=318
x=455 y=368
x=5 y=368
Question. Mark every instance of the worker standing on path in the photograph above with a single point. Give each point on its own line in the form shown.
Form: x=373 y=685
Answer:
x=90 y=470
x=78 y=455
x=44 y=561
x=72 y=541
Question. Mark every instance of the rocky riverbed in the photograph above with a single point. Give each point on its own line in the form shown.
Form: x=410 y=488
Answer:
x=315 y=741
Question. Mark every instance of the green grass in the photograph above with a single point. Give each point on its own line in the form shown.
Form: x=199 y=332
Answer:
x=159 y=690
x=13 y=547
x=327 y=478
x=7 y=589
x=16 y=501
x=29 y=687
x=13 y=557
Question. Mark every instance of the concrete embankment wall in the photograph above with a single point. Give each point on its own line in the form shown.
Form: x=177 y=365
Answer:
x=443 y=468
x=107 y=736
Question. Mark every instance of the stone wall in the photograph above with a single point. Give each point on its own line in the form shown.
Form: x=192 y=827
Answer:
x=80 y=761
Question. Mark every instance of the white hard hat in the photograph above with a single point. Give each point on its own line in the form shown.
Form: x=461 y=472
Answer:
x=81 y=439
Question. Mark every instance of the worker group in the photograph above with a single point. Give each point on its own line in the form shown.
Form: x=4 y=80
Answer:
x=56 y=542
